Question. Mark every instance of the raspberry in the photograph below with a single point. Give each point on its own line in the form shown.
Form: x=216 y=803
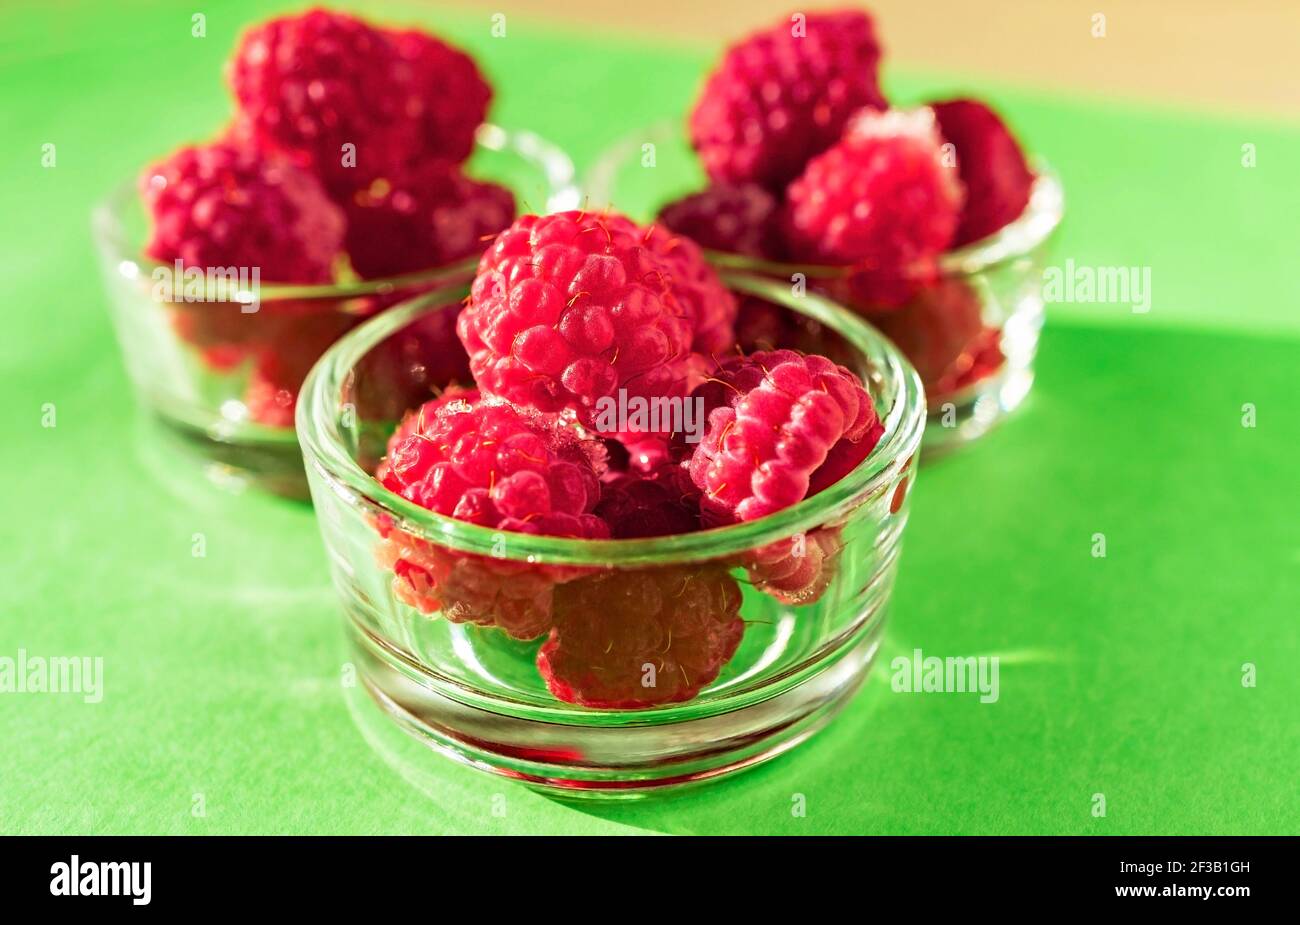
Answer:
x=881 y=197
x=634 y=639
x=568 y=309
x=708 y=304
x=221 y=205
x=492 y=464
x=428 y=217
x=783 y=95
x=309 y=85
x=450 y=97
x=773 y=419
x=998 y=181
x=488 y=463
x=943 y=335
x=737 y=219
x=659 y=503
x=798 y=570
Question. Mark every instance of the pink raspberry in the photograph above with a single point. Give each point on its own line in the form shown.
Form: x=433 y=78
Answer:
x=568 y=309
x=634 y=639
x=738 y=219
x=882 y=197
x=489 y=463
x=774 y=419
x=661 y=502
x=423 y=218
x=783 y=95
x=998 y=181
x=308 y=86
x=221 y=205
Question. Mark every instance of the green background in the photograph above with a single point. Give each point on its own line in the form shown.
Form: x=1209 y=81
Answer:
x=1120 y=675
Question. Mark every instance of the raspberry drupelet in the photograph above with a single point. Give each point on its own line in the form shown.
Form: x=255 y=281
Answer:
x=882 y=197
x=631 y=639
x=783 y=95
x=571 y=308
x=998 y=181
x=774 y=419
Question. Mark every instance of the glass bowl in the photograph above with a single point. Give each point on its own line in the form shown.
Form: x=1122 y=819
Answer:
x=222 y=366
x=777 y=620
x=972 y=332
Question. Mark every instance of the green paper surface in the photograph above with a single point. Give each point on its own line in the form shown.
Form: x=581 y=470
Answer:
x=223 y=711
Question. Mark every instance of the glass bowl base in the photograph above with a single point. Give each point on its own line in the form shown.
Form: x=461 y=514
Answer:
x=272 y=464
x=619 y=758
x=964 y=418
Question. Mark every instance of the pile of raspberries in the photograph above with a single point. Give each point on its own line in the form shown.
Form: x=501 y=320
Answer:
x=809 y=165
x=568 y=313
x=343 y=159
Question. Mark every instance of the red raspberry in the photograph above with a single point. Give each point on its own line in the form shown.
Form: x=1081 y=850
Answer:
x=221 y=205
x=659 y=503
x=428 y=217
x=783 y=95
x=570 y=308
x=308 y=85
x=737 y=219
x=773 y=419
x=488 y=463
x=882 y=197
x=992 y=165
x=798 y=570
x=943 y=335
x=633 y=639
x=450 y=97
x=708 y=304
x=492 y=464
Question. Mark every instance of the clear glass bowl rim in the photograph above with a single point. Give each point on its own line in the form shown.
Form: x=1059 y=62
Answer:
x=1031 y=228
x=110 y=230
x=325 y=451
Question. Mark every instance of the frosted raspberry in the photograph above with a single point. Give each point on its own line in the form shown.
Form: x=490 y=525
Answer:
x=774 y=418
x=882 y=197
x=738 y=219
x=423 y=218
x=221 y=205
x=633 y=639
x=783 y=95
x=661 y=502
x=798 y=570
x=942 y=333
x=998 y=181
x=570 y=308
x=308 y=86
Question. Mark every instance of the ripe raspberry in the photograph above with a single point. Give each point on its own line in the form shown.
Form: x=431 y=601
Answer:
x=708 y=304
x=221 y=205
x=661 y=502
x=798 y=570
x=783 y=95
x=737 y=219
x=998 y=181
x=428 y=217
x=633 y=639
x=488 y=463
x=309 y=85
x=568 y=309
x=773 y=419
x=492 y=464
x=450 y=97
x=882 y=197
x=943 y=335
